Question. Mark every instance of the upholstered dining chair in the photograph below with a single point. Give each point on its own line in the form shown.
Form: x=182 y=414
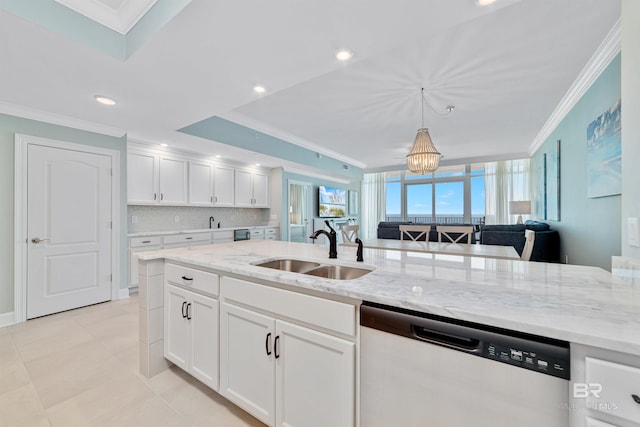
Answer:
x=460 y=231
x=422 y=230
x=529 y=240
x=349 y=234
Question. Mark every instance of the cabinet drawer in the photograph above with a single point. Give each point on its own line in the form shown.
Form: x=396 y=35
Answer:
x=257 y=233
x=269 y=231
x=619 y=384
x=187 y=238
x=332 y=315
x=190 y=278
x=272 y=237
x=140 y=242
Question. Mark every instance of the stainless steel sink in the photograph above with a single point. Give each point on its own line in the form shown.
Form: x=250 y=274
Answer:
x=293 y=265
x=338 y=272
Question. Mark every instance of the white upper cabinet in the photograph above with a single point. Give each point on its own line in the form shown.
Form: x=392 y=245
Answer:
x=252 y=189
x=223 y=185
x=173 y=181
x=142 y=179
x=158 y=178
x=200 y=184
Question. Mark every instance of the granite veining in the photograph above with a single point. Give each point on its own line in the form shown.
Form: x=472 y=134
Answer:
x=585 y=305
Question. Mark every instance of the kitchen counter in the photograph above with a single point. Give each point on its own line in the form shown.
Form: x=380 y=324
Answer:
x=199 y=230
x=584 y=305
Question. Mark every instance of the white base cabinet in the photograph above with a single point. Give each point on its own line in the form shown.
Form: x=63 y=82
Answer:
x=282 y=373
x=191 y=333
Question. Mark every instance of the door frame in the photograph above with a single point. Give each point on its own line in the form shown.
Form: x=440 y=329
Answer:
x=309 y=201
x=20 y=211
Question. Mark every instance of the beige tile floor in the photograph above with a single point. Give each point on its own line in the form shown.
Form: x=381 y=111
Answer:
x=80 y=368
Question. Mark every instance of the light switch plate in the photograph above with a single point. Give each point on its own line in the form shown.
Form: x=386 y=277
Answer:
x=633 y=232
x=134 y=219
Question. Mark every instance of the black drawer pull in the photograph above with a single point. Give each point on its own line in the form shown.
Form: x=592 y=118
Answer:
x=187 y=278
x=636 y=398
x=188 y=238
x=276 y=346
x=189 y=311
x=267 y=344
x=183 y=313
x=146 y=241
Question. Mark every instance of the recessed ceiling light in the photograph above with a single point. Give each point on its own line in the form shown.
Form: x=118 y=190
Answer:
x=218 y=156
x=104 y=100
x=164 y=145
x=257 y=164
x=344 y=54
x=259 y=89
x=485 y=2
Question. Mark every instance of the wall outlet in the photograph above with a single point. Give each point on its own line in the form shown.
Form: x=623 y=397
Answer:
x=176 y=218
x=134 y=219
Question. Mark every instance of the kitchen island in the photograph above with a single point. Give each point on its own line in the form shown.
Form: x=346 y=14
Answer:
x=585 y=306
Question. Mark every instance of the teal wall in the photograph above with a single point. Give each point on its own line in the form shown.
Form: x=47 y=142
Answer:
x=589 y=228
x=9 y=126
x=315 y=183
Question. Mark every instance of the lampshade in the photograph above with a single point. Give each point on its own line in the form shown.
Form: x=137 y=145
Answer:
x=423 y=156
x=521 y=207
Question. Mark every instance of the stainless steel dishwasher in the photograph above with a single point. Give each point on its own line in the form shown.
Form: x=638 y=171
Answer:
x=428 y=371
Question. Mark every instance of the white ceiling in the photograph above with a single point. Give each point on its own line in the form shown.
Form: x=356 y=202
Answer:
x=504 y=67
x=119 y=15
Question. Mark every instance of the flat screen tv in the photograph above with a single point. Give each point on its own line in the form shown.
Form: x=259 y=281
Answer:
x=332 y=202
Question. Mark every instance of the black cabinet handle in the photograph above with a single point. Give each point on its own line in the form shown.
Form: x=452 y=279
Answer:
x=183 y=313
x=161 y=196
x=187 y=278
x=636 y=398
x=267 y=345
x=188 y=238
x=189 y=311
x=146 y=241
x=276 y=346
x=155 y=196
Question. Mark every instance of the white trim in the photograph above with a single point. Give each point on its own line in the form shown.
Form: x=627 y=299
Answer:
x=7 y=319
x=20 y=211
x=58 y=119
x=606 y=52
x=123 y=293
x=310 y=173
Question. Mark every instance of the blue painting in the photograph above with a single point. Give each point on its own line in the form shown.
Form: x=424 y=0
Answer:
x=604 y=154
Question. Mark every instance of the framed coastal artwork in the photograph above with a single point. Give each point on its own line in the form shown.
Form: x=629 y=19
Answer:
x=552 y=190
x=604 y=154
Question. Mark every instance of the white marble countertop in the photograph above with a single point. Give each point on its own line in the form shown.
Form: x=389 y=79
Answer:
x=585 y=305
x=199 y=230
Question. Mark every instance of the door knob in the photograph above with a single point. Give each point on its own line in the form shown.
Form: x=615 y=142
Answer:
x=38 y=240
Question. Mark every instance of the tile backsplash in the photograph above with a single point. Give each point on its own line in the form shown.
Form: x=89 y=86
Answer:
x=163 y=218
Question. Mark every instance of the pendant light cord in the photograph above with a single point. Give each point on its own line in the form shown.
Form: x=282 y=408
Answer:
x=422 y=103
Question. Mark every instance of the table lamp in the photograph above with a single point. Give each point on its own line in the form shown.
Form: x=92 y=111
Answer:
x=521 y=207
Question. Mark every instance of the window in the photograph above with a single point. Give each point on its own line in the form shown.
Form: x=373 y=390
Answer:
x=451 y=195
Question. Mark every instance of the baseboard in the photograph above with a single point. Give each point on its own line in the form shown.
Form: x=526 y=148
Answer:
x=123 y=293
x=7 y=319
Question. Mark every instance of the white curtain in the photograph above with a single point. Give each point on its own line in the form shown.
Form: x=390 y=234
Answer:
x=373 y=204
x=505 y=181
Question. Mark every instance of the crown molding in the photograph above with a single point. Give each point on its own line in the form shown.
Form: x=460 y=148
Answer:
x=59 y=119
x=606 y=52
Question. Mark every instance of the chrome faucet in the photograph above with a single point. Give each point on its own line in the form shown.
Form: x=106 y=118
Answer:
x=211 y=219
x=333 y=238
x=359 y=251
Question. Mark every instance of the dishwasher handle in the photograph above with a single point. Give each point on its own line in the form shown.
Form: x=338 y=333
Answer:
x=457 y=342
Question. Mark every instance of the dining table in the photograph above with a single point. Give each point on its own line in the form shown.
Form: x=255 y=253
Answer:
x=477 y=250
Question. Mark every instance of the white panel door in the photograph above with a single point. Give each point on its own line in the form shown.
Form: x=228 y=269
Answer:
x=69 y=229
x=223 y=184
x=200 y=184
x=315 y=378
x=247 y=373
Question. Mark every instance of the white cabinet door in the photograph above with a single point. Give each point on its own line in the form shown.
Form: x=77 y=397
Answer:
x=223 y=184
x=191 y=333
x=260 y=190
x=247 y=361
x=142 y=179
x=173 y=181
x=176 y=326
x=244 y=189
x=200 y=184
x=315 y=377
x=203 y=361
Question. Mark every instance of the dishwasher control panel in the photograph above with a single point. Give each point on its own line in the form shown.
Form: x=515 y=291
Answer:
x=529 y=358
